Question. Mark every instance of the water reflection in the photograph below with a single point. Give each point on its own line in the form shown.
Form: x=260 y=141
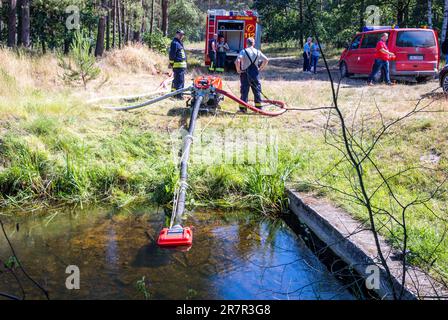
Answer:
x=112 y=257
x=234 y=256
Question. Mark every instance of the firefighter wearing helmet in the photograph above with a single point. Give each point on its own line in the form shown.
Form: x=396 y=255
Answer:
x=178 y=61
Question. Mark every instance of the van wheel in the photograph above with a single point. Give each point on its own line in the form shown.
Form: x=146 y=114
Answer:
x=344 y=70
x=445 y=83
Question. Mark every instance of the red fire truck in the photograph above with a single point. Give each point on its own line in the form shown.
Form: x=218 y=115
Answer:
x=236 y=27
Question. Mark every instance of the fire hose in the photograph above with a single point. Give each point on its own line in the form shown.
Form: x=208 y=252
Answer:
x=279 y=104
x=149 y=102
x=206 y=92
x=176 y=235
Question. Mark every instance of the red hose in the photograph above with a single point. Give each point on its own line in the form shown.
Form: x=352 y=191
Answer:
x=279 y=104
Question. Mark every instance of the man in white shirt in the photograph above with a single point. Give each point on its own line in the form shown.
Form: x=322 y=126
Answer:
x=249 y=63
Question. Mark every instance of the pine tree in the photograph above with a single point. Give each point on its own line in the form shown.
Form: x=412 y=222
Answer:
x=79 y=65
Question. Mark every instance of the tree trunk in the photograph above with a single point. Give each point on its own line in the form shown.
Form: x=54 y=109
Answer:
x=123 y=20
x=99 y=50
x=151 y=24
x=144 y=26
x=120 y=32
x=165 y=17
x=1 y=21
x=361 y=15
x=430 y=13
x=25 y=26
x=301 y=22
x=445 y=21
x=114 y=22
x=401 y=11
x=108 y=31
x=19 y=22
x=66 y=43
x=12 y=20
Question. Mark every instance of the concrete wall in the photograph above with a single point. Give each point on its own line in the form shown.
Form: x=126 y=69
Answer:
x=354 y=243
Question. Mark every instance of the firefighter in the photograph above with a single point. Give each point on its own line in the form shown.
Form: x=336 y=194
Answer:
x=178 y=61
x=249 y=63
x=222 y=48
x=212 y=52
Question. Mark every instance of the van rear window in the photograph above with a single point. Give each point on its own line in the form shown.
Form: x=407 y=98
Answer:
x=422 y=39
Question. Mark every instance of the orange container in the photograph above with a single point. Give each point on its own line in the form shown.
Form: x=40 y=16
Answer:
x=175 y=237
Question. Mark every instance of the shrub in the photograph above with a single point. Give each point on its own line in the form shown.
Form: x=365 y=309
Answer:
x=157 y=41
x=80 y=65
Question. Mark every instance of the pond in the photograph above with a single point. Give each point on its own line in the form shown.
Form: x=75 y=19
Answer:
x=235 y=255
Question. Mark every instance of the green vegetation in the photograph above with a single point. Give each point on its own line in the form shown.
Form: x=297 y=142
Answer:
x=80 y=64
x=46 y=161
x=157 y=42
x=142 y=288
x=56 y=148
x=187 y=16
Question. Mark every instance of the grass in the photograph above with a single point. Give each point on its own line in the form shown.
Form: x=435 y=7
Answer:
x=57 y=148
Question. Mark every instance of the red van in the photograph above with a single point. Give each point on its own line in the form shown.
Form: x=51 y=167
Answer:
x=416 y=50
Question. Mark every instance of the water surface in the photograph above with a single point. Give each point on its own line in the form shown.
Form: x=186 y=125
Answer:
x=234 y=256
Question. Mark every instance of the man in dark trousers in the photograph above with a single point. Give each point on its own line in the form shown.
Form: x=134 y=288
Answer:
x=249 y=63
x=382 y=57
x=178 y=61
x=212 y=46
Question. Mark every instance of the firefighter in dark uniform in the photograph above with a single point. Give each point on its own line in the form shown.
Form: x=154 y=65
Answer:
x=212 y=52
x=249 y=63
x=178 y=61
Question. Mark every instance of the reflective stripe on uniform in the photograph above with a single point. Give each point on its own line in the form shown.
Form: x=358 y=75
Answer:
x=179 y=65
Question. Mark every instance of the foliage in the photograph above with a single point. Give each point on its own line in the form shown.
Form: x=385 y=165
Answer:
x=282 y=20
x=338 y=21
x=157 y=41
x=187 y=16
x=80 y=65
x=143 y=288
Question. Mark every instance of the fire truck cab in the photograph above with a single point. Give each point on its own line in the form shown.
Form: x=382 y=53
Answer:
x=236 y=27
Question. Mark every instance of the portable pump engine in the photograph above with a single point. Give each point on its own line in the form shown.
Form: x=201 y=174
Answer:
x=207 y=87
